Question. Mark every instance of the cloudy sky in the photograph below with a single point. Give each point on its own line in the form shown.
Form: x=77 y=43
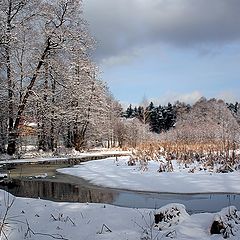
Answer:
x=165 y=50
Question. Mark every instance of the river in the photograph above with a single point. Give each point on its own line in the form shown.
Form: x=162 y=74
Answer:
x=60 y=187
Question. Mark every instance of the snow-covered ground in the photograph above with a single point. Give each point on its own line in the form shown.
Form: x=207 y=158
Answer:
x=117 y=174
x=37 y=219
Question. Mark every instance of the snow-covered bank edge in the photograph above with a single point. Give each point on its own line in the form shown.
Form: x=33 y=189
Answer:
x=117 y=174
x=78 y=155
x=40 y=219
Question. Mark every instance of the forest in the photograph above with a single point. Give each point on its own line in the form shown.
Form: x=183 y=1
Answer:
x=50 y=94
x=53 y=98
x=208 y=130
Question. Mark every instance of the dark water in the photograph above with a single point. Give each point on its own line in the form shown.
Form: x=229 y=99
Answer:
x=59 y=187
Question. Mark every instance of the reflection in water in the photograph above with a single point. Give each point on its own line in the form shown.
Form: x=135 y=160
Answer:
x=60 y=187
x=195 y=203
x=59 y=191
x=72 y=192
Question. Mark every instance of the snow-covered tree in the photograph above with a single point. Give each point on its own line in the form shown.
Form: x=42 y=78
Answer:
x=47 y=75
x=17 y=72
x=207 y=128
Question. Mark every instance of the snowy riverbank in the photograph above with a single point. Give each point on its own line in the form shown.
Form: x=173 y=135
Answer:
x=39 y=157
x=117 y=174
x=37 y=219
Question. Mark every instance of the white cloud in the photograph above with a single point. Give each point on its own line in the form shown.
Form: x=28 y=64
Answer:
x=228 y=96
x=121 y=59
x=190 y=98
x=125 y=104
x=172 y=97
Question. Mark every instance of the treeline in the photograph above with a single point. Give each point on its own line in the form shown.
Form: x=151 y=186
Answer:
x=208 y=131
x=159 y=118
x=162 y=118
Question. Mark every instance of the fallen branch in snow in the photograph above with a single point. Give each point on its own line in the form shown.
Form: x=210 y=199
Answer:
x=171 y=234
x=54 y=236
x=69 y=219
x=107 y=229
x=148 y=229
x=4 y=225
x=62 y=219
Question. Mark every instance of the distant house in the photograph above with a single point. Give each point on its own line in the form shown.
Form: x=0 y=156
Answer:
x=28 y=128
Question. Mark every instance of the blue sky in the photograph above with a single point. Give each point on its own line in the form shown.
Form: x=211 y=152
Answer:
x=167 y=50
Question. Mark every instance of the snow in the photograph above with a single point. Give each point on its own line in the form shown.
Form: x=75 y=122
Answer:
x=37 y=219
x=117 y=174
x=170 y=215
x=229 y=221
x=44 y=175
x=31 y=124
x=73 y=155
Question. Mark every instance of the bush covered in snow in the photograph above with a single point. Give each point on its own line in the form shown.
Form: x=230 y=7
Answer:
x=170 y=215
x=226 y=222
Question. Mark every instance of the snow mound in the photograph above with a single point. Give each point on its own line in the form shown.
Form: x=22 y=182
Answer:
x=44 y=175
x=170 y=215
x=226 y=222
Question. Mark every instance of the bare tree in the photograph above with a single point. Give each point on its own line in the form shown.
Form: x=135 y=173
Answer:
x=36 y=36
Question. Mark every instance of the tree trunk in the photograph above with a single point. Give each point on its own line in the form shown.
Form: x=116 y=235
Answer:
x=79 y=140
x=42 y=137
x=13 y=134
x=12 y=138
x=52 y=136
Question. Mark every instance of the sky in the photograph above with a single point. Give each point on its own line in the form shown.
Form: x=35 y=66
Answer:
x=167 y=50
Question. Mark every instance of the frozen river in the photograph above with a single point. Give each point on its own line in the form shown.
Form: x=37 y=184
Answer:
x=60 y=187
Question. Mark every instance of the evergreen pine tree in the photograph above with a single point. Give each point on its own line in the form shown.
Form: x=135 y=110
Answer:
x=129 y=112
